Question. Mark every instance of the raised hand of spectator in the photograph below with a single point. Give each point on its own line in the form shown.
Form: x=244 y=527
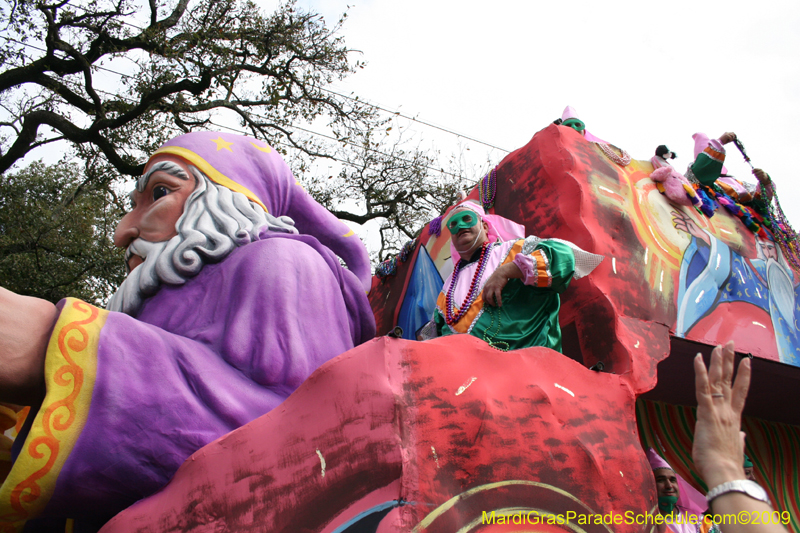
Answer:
x=718 y=448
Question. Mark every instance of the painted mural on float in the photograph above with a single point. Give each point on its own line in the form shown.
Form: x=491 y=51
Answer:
x=709 y=279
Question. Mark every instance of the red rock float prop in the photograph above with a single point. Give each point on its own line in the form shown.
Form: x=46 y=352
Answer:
x=425 y=436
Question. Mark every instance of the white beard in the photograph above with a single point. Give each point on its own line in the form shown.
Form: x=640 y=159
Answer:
x=781 y=289
x=143 y=281
x=215 y=221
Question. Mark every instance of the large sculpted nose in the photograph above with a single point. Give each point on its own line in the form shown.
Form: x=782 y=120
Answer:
x=127 y=230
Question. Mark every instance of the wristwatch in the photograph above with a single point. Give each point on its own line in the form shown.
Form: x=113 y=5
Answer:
x=750 y=488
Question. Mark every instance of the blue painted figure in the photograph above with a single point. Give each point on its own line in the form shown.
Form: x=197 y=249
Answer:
x=715 y=279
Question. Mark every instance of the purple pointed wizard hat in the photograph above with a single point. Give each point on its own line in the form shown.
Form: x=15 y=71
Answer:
x=253 y=168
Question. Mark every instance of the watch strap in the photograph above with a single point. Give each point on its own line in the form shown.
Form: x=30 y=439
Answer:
x=745 y=486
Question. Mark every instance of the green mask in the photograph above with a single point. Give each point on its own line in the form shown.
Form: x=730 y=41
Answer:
x=666 y=504
x=575 y=124
x=462 y=220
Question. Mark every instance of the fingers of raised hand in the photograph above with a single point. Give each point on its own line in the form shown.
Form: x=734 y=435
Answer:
x=701 y=386
x=741 y=386
x=488 y=297
x=728 y=356
x=719 y=384
x=492 y=291
x=715 y=372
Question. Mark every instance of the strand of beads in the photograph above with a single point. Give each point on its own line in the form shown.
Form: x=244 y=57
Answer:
x=386 y=268
x=406 y=250
x=389 y=267
x=784 y=232
x=622 y=160
x=503 y=346
x=451 y=316
x=789 y=248
x=488 y=189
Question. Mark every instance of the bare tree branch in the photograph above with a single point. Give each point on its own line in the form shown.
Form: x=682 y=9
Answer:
x=197 y=66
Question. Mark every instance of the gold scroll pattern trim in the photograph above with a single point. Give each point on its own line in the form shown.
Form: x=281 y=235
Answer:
x=70 y=371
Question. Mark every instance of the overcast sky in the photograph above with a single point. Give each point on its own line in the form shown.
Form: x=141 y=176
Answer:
x=640 y=74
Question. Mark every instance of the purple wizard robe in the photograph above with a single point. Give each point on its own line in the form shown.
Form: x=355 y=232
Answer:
x=199 y=360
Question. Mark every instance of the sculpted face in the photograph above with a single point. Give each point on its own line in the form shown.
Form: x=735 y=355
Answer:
x=666 y=482
x=157 y=208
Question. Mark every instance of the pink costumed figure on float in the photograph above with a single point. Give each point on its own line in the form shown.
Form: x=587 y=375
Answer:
x=670 y=182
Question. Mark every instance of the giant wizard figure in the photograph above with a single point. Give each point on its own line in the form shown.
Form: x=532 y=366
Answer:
x=235 y=295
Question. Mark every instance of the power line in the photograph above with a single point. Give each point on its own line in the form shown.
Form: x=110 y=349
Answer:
x=349 y=163
x=300 y=128
x=131 y=100
x=376 y=106
x=343 y=161
x=397 y=158
x=398 y=113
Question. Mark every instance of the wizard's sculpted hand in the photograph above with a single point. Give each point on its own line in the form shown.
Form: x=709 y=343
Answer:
x=25 y=327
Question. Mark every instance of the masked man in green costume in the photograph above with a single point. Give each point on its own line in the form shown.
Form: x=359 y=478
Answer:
x=505 y=289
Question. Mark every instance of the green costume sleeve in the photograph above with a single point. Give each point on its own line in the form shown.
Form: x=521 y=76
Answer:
x=555 y=265
x=707 y=167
